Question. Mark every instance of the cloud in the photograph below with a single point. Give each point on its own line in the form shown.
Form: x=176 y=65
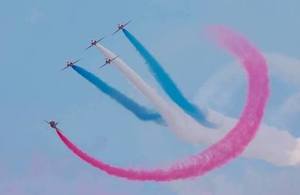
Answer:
x=248 y=181
x=284 y=67
x=223 y=85
x=48 y=176
x=291 y=107
x=273 y=144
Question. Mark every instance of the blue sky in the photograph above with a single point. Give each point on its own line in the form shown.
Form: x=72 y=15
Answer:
x=38 y=36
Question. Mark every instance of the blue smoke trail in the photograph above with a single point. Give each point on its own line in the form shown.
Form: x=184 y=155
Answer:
x=139 y=111
x=167 y=83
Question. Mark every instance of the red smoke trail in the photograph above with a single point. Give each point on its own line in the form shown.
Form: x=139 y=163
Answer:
x=228 y=147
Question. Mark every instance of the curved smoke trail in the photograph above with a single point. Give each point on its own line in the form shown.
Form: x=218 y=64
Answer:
x=139 y=111
x=231 y=145
x=167 y=83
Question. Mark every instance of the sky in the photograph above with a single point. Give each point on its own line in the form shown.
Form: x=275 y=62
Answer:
x=37 y=37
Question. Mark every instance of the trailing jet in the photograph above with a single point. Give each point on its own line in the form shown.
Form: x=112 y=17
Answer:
x=52 y=124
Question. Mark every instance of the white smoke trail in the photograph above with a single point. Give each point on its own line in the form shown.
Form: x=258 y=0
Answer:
x=176 y=119
x=272 y=145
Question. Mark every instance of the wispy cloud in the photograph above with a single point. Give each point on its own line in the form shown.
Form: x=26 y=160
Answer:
x=48 y=176
x=250 y=181
x=285 y=67
x=291 y=107
x=275 y=145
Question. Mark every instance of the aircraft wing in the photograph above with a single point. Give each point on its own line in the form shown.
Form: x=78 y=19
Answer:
x=100 y=40
x=64 y=68
x=127 y=23
x=76 y=61
x=103 y=65
x=116 y=31
x=88 y=47
x=114 y=58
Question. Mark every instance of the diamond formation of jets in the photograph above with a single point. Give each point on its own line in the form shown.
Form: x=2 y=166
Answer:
x=53 y=124
x=94 y=43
